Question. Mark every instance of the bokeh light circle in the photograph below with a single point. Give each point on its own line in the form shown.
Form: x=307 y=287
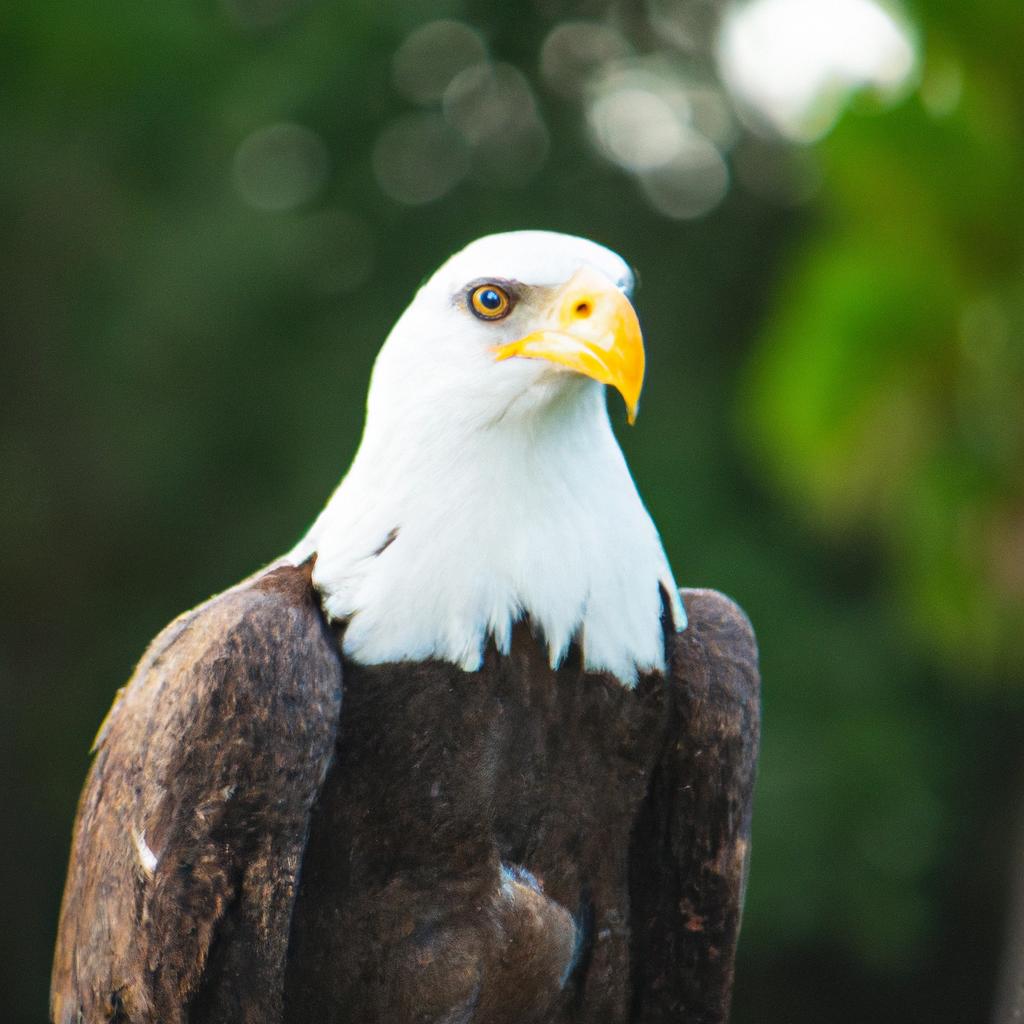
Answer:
x=419 y=158
x=280 y=167
x=432 y=55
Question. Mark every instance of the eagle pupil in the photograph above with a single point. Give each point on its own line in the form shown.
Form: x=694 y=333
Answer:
x=490 y=299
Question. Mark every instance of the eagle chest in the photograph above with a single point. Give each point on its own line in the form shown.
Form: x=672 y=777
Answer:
x=454 y=797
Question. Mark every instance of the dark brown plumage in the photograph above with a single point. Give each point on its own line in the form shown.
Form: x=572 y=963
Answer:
x=507 y=846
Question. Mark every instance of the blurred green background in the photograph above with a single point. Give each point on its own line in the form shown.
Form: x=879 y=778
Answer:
x=212 y=212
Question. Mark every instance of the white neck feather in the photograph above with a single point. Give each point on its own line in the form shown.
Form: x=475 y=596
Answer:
x=438 y=539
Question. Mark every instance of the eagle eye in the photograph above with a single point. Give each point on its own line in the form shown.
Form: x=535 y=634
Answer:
x=490 y=301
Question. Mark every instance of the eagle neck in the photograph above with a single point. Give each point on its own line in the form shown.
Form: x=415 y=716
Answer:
x=443 y=536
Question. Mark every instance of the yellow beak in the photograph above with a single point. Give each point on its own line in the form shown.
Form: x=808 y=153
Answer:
x=593 y=329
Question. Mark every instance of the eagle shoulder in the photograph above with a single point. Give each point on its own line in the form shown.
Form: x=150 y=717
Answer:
x=691 y=842
x=719 y=632
x=194 y=817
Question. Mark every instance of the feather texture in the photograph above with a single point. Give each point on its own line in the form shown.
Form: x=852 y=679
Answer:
x=193 y=820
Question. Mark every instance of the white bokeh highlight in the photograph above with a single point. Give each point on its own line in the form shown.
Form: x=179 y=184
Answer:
x=792 y=65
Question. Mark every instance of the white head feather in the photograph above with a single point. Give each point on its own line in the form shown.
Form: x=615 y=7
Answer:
x=485 y=491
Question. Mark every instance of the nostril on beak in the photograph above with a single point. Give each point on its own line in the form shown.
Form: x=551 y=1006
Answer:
x=583 y=310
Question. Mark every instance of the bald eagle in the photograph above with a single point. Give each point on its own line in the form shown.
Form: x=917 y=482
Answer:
x=466 y=755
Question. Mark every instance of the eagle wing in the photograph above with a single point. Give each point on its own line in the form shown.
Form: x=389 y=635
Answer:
x=691 y=844
x=193 y=821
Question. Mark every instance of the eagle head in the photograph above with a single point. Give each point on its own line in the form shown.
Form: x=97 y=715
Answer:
x=511 y=325
x=488 y=486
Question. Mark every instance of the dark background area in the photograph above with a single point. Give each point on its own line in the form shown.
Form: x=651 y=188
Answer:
x=212 y=212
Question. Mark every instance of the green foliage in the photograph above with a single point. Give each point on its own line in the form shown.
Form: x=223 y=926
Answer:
x=887 y=392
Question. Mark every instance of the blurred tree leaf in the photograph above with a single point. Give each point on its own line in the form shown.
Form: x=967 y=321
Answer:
x=887 y=392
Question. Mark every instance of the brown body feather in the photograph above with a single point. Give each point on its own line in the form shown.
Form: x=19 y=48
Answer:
x=210 y=760
x=508 y=846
